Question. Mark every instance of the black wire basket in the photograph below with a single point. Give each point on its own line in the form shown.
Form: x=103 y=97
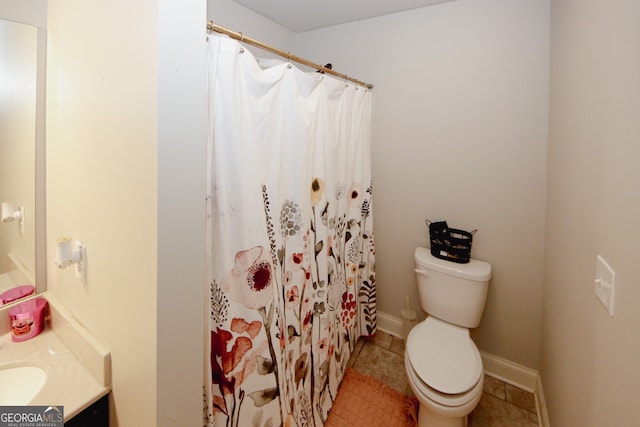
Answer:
x=450 y=244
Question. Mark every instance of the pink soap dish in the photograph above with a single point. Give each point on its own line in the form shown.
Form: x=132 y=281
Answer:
x=16 y=293
x=27 y=319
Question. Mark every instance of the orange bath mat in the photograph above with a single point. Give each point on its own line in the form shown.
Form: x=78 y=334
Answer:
x=364 y=401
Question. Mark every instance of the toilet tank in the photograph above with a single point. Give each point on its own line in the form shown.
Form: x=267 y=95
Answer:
x=455 y=293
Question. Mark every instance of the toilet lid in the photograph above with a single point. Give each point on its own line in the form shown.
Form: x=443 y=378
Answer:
x=444 y=356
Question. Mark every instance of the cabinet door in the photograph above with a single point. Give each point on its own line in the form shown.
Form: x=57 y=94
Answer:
x=96 y=415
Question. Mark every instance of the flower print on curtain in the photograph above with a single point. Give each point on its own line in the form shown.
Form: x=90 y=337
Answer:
x=290 y=239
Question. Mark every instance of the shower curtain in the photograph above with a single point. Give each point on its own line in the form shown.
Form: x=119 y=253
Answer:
x=291 y=253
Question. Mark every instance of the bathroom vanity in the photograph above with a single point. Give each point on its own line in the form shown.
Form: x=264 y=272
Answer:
x=62 y=366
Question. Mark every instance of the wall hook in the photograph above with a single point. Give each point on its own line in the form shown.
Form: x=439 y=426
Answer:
x=66 y=256
x=12 y=213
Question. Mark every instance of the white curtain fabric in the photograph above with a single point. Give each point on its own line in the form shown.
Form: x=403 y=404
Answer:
x=290 y=229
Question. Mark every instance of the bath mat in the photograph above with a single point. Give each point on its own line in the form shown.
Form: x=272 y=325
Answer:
x=365 y=401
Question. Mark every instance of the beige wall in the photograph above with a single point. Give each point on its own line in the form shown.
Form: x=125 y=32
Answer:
x=101 y=183
x=183 y=298
x=590 y=366
x=459 y=133
x=125 y=174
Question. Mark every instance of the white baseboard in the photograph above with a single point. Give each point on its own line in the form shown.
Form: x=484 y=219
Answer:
x=497 y=367
x=509 y=372
x=541 y=406
x=518 y=376
x=389 y=324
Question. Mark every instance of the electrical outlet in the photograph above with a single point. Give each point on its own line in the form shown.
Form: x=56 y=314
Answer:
x=605 y=284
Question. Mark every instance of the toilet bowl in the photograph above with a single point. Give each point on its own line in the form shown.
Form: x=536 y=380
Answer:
x=444 y=371
x=443 y=365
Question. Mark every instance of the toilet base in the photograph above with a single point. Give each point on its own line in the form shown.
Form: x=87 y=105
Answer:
x=433 y=414
x=428 y=418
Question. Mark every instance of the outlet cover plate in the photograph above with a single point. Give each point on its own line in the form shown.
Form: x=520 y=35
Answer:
x=605 y=284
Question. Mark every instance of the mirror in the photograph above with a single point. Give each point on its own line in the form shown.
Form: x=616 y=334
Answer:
x=22 y=246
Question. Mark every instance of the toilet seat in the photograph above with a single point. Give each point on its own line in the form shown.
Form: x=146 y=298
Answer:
x=444 y=358
x=443 y=402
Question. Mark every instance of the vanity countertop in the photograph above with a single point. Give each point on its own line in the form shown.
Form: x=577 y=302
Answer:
x=78 y=368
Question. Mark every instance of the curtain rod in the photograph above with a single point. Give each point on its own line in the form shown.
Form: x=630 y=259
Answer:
x=253 y=42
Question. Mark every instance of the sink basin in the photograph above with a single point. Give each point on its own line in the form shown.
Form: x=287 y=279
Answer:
x=18 y=386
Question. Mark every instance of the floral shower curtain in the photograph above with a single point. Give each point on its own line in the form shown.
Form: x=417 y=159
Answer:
x=291 y=253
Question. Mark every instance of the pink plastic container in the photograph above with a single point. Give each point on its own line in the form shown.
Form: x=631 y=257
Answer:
x=16 y=293
x=27 y=319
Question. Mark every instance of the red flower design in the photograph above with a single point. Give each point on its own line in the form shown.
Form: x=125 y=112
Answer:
x=348 y=309
x=293 y=296
x=233 y=356
x=297 y=258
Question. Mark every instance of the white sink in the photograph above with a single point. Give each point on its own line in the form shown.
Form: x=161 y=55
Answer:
x=18 y=386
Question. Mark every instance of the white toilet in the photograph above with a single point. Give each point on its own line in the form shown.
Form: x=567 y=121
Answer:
x=443 y=365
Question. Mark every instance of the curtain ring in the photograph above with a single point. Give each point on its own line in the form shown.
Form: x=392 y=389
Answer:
x=241 y=40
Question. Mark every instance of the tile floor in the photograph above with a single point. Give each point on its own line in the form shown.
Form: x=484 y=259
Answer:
x=501 y=405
